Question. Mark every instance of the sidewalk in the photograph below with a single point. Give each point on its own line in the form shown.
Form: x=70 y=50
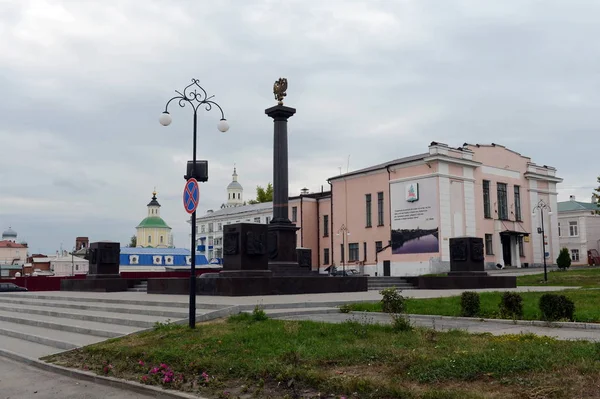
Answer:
x=456 y=323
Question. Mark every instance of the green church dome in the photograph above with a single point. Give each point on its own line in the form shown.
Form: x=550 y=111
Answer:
x=153 y=222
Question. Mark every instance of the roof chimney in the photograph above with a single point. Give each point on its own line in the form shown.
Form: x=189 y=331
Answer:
x=572 y=197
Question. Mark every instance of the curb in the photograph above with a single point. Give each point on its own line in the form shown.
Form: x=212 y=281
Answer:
x=538 y=323
x=98 y=379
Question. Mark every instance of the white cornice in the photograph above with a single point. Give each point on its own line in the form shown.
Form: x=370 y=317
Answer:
x=432 y=175
x=459 y=161
x=537 y=176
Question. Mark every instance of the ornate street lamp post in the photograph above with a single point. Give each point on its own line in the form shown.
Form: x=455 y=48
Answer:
x=541 y=205
x=344 y=232
x=196 y=97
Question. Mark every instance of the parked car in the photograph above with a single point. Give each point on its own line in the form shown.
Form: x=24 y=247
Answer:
x=347 y=272
x=10 y=287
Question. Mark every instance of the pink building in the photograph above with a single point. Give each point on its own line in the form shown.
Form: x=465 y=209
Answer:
x=396 y=218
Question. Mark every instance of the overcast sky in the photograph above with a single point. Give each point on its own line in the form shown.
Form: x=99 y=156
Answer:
x=83 y=83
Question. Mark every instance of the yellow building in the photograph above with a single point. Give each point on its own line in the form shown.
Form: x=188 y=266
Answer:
x=153 y=231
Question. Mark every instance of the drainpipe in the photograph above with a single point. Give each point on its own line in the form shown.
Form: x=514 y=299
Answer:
x=301 y=224
x=331 y=223
x=318 y=236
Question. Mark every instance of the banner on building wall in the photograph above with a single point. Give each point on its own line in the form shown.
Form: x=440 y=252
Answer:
x=415 y=220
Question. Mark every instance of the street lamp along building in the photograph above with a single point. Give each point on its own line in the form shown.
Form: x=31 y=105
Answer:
x=403 y=212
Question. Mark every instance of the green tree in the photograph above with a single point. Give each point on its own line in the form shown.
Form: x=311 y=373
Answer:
x=263 y=194
x=564 y=259
x=597 y=196
x=133 y=242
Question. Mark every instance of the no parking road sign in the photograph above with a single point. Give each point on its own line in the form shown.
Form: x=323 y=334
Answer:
x=191 y=195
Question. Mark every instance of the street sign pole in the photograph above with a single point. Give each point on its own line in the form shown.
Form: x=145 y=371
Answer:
x=191 y=198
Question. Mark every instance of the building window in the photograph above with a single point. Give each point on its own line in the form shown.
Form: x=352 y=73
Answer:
x=229 y=196
x=220 y=226
x=267 y=220
x=210 y=227
x=76 y=267
x=380 y=209
x=489 y=248
x=368 y=209
x=161 y=239
x=294 y=214
x=364 y=251
x=257 y=220
x=502 y=202
x=575 y=255
x=559 y=233
x=149 y=239
x=325 y=225
x=378 y=246
x=239 y=196
x=521 y=247
x=573 y=230
x=487 y=210
x=518 y=204
x=353 y=252
x=326 y=256
x=203 y=228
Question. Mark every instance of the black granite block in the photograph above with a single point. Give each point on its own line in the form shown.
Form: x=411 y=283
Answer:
x=245 y=247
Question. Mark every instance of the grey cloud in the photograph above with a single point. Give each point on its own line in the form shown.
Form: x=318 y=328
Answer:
x=373 y=80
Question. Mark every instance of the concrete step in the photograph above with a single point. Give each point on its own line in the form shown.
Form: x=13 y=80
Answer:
x=26 y=348
x=133 y=320
x=45 y=336
x=61 y=324
x=90 y=297
x=113 y=308
x=137 y=289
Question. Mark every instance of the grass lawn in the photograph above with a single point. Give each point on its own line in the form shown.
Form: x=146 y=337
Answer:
x=587 y=305
x=582 y=276
x=245 y=358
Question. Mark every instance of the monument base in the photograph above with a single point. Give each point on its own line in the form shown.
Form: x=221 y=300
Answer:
x=225 y=285
x=98 y=284
x=463 y=282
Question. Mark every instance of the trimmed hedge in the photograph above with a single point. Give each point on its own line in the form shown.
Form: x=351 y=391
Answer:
x=556 y=307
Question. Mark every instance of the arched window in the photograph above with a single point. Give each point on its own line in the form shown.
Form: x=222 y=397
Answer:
x=161 y=239
x=229 y=196
x=239 y=196
x=149 y=239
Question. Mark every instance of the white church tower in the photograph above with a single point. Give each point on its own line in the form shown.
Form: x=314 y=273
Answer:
x=235 y=191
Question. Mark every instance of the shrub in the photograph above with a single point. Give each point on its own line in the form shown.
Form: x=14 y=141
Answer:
x=469 y=304
x=401 y=323
x=511 y=305
x=564 y=259
x=258 y=314
x=556 y=307
x=392 y=301
x=347 y=308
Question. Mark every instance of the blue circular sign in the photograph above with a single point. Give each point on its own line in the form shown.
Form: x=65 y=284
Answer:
x=191 y=195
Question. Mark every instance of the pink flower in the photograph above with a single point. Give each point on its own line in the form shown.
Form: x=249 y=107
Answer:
x=154 y=370
x=141 y=363
x=145 y=378
x=163 y=366
x=205 y=376
x=167 y=379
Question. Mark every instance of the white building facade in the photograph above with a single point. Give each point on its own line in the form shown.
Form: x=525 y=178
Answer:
x=578 y=228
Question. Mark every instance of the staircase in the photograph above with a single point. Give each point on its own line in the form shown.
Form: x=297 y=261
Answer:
x=141 y=287
x=379 y=283
x=39 y=324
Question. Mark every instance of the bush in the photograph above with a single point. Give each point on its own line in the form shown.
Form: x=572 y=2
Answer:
x=556 y=307
x=347 y=308
x=400 y=323
x=564 y=259
x=392 y=301
x=258 y=314
x=469 y=304
x=511 y=305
